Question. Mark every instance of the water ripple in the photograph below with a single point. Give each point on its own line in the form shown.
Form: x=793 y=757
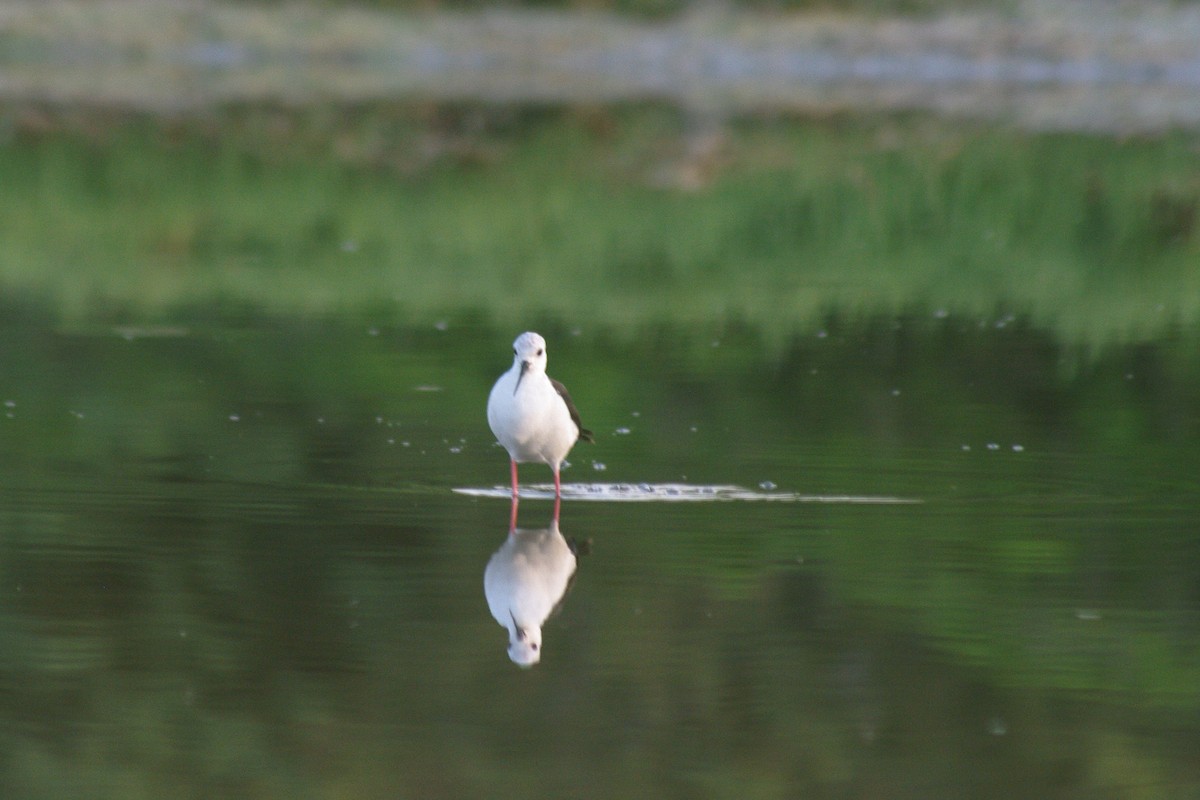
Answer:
x=675 y=493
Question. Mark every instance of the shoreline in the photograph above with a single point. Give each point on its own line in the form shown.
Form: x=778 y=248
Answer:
x=1083 y=66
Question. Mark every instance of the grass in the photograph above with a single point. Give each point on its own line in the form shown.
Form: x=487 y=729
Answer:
x=419 y=215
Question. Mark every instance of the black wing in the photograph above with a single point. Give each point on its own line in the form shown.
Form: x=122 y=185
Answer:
x=584 y=433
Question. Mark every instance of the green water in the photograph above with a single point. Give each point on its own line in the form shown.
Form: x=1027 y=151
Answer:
x=233 y=563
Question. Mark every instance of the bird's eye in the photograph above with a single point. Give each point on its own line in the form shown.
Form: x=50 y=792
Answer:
x=533 y=647
x=514 y=351
x=539 y=351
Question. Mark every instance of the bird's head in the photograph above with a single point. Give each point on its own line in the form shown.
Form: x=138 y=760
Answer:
x=524 y=643
x=529 y=356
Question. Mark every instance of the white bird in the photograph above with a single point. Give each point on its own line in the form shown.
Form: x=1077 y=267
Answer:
x=525 y=582
x=531 y=414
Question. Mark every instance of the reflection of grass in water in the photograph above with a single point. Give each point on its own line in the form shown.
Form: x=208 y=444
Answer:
x=606 y=218
x=188 y=591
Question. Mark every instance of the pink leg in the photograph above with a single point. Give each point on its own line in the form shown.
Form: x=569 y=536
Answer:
x=557 y=486
x=557 y=506
x=514 y=478
x=512 y=517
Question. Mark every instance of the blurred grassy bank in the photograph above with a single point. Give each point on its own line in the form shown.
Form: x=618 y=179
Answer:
x=619 y=217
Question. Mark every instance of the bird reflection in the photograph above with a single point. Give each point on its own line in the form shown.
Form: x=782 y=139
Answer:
x=525 y=582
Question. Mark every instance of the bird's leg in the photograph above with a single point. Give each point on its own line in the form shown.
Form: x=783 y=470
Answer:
x=557 y=494
x=512 y=517
x=514 y=477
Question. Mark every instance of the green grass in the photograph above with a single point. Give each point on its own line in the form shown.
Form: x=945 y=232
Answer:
x=555 y=214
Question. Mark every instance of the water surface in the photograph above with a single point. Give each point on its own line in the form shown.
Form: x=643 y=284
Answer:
x=234 y=563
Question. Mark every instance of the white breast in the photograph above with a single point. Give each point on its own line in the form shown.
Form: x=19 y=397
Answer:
x=533 y=425
x=527 y=576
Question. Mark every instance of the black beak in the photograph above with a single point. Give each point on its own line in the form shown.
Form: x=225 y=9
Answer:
x=520 y=631
x=524 y=369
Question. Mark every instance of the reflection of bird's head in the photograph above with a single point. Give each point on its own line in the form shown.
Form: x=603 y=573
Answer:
x=529 y=355
x=525 y=643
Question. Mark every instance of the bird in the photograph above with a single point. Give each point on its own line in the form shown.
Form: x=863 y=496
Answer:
x=525 y=582
x=531 y=414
